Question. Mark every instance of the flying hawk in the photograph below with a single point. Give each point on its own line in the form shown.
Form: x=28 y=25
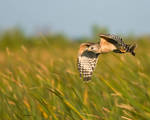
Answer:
x=89 y=52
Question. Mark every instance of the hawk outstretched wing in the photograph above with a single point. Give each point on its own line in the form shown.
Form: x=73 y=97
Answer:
x=110 y=42
x=114 y=39
x=86 y=64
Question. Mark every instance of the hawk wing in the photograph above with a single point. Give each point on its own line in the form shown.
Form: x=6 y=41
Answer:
x=86 y=64
x=110 y=42
x=114 y=39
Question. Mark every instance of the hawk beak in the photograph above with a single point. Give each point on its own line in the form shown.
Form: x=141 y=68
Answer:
x=88 y=49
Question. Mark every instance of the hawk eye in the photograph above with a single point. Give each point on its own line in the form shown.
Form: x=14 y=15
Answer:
x=92 y=48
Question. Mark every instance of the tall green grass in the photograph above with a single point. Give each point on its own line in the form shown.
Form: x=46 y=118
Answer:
x=42 y=83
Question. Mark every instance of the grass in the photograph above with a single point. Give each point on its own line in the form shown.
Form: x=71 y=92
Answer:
x=42 y=83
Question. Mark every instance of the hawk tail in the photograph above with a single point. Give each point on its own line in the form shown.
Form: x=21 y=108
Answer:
x=132 y=48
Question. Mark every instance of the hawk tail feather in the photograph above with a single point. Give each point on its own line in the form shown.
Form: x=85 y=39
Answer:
x=131 y=48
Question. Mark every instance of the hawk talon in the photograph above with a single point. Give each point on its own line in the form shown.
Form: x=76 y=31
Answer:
x=123 y=51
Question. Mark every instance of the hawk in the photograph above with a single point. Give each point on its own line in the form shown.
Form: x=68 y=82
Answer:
x=89 y=52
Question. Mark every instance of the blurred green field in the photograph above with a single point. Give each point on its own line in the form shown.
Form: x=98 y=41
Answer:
x=39 y=81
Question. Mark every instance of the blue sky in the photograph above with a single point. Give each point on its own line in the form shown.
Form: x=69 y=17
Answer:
x=76 y=17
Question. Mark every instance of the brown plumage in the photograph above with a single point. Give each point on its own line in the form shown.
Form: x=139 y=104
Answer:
x=89 y=52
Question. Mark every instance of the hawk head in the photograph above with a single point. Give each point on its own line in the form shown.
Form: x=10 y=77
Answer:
x=91 y=47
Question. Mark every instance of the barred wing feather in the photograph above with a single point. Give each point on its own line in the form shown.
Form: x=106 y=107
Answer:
x=86 y=64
